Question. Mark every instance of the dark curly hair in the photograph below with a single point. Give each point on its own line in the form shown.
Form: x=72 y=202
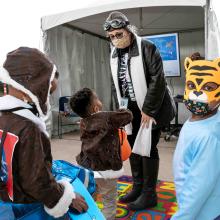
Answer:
x=81 y=102
x=196 y=56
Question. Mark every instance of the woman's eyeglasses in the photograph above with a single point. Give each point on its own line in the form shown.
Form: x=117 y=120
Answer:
x=117 y=35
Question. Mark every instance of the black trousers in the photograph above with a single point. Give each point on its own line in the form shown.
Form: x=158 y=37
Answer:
x=156 y=132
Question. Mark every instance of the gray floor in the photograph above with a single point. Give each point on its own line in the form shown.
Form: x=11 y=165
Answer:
x=69 y=146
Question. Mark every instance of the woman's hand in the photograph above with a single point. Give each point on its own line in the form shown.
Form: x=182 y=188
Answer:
x=145 y=120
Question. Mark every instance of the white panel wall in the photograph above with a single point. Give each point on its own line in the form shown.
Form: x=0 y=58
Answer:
x=189 y=43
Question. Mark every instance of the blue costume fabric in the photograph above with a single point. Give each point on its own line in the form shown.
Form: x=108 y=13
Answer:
x=61 y=170
x=197 y=170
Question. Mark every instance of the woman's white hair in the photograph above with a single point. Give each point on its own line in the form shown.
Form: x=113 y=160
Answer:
x=133 y=29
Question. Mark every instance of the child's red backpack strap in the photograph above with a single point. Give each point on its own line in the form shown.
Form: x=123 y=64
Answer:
x=3 y=190
x=7 y=146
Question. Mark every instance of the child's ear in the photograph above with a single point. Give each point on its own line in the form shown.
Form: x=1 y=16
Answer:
x=96 y=108
x=187 y=63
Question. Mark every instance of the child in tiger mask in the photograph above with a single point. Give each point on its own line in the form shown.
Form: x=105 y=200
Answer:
x=196 y=159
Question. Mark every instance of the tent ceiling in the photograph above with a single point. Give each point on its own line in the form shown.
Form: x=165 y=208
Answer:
x=150 y=20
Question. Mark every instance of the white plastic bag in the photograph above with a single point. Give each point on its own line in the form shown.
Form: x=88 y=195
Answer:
x=142 y=144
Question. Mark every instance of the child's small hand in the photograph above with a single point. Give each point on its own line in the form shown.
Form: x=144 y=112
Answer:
x=79 y=204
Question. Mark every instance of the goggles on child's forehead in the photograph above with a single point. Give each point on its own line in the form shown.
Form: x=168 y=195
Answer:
x=115 y=24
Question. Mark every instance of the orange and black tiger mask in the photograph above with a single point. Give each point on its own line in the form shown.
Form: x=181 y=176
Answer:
x=202 y=87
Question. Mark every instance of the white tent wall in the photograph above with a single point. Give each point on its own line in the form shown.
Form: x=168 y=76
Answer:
x=213 y=30
x=82 y=61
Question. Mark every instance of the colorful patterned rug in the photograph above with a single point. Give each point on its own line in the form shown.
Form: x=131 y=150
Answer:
x=166 y=207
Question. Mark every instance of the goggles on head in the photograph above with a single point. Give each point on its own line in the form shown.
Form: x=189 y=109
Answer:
x=115 y=24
